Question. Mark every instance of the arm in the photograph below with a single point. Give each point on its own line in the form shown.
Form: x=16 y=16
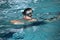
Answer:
x=32 y=20
x=16 y=22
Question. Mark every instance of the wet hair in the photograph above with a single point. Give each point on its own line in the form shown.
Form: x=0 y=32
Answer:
x=25 y=11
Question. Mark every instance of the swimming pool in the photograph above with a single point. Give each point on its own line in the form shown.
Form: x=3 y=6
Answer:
x=12 y=10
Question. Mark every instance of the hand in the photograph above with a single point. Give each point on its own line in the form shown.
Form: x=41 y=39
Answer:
x=32 y=20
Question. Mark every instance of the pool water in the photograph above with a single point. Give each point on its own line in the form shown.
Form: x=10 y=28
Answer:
x=40 y=30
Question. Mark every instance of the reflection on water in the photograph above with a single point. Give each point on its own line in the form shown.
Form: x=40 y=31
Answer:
x=46 y=11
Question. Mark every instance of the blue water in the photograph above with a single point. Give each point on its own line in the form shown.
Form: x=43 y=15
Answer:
x=41 y=30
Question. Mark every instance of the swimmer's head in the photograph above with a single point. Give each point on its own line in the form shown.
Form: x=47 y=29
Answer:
x=28 y=12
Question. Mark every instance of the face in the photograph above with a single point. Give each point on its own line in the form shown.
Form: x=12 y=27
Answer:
x=29 y=13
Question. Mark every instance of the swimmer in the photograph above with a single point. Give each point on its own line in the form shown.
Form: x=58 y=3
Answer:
x=27 y=15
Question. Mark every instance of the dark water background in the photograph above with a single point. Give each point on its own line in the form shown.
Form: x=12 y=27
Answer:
x=12 y=10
